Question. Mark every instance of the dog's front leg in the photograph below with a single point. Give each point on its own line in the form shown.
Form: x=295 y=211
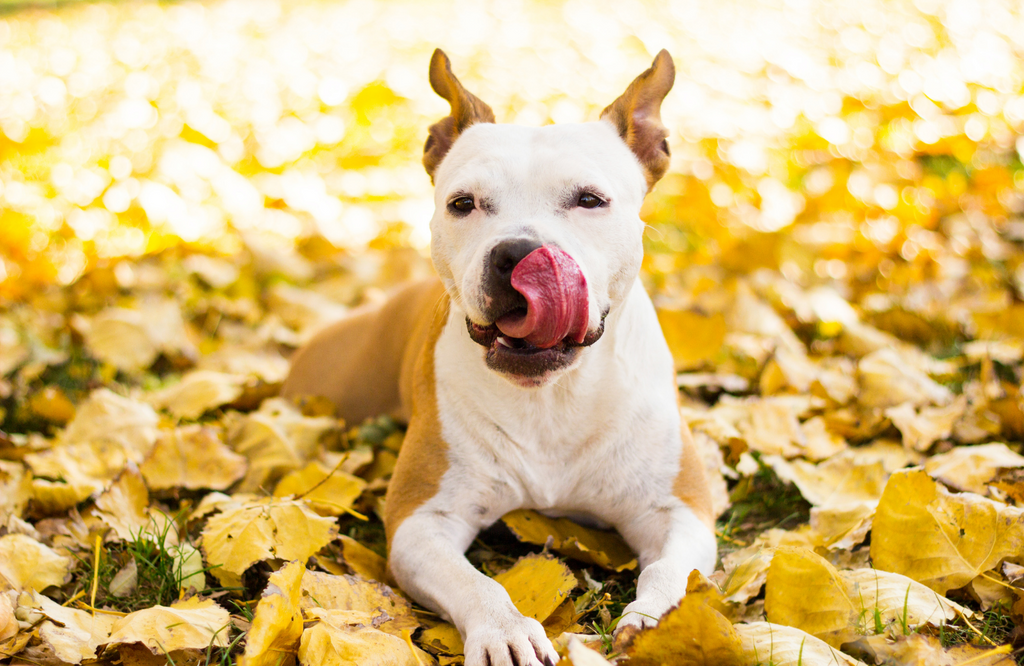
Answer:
x=427 y=559
x=671 y=543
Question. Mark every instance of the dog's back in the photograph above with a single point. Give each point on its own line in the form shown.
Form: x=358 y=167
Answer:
x=363 y=363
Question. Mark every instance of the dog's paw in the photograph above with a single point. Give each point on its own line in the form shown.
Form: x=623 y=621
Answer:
x=640 y=614
x=512 y=641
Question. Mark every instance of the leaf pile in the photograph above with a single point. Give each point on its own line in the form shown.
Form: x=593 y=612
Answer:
x=189 y=192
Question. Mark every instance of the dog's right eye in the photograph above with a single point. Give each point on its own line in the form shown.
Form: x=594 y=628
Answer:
x=461 y=206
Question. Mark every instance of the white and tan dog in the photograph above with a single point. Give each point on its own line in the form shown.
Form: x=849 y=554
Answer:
x=534 y=375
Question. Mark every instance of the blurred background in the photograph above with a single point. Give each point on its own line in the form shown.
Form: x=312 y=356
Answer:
x=254 y=146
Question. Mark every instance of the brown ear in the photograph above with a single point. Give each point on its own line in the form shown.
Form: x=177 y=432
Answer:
x=637 y=116
x=466 y=110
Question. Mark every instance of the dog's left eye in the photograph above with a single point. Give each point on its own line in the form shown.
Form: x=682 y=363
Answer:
x=462 y=205
x=588 y=200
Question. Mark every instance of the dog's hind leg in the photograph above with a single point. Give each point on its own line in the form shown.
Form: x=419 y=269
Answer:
x=358 y=363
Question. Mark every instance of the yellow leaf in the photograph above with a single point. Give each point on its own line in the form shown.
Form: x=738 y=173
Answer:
x=330 y=492
x=277 y=624
x=898 y=599
x=51 y=404
x=124 y=506
x=601 y=547
x=74 y=635
x=838 y=482
x=581 y=655
x=924 y=650
x=537 y=584
x=108 y=417
x=692 y=634
x=972 y=467
x=804 y=591
x=444 y=638
x=334 y=642
x=30 y=565
x=362 y=560
x=198 y=392
x=923 y=427
x=192 y=457
x=766 y=643
x=8 y=623
x=193 y=624
x=691 y=336
x=350 y=593
x=276 y=439
x=263 y=529
x=942 y=539
x=887 y=379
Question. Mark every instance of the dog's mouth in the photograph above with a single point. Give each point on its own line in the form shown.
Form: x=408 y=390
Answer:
x=519 y=358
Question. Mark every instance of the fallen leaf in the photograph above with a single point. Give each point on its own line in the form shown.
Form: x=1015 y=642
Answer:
x=193 y=624
x=198 y=392
x=581 y=655
x=924 y=426
x=334 y=642
x=72 y=634
x=350 y=593
x=30 y=565
x=972 y=467
x=941 y=539
x=192 y=457
x=692 y=633
x=443 y=638
x=329 y=491
x=839 y=482
x=804 y=591
x=107 y=417
x=273 y=638
x=276 y=439
x=362 y=560
x=923 y=650
x=693 y=338
x=125 y=508
x=601 y=547
x=537 y=584
x=8 y=623
x=130 y=339
x=767 y=643
x=887 y=380
x=259 y=530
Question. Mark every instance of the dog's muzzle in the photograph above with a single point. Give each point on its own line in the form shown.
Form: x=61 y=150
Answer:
x=537 y=300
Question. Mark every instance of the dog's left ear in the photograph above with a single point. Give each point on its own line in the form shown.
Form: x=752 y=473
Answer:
x=637 y=116
x=467 y=109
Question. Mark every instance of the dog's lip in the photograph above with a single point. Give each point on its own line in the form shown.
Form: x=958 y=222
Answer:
x=487 y=335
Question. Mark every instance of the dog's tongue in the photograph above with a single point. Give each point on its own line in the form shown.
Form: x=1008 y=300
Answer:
x=556 y=299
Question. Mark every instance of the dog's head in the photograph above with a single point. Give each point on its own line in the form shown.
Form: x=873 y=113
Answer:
x=536 y=232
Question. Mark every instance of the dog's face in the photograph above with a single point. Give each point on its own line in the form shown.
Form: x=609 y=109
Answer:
x=536 y=232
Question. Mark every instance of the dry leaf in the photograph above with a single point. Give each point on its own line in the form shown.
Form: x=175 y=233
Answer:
x=601 y=547
x=72 y=634
x=693 y=338
x=198 y=392
x=131 y=339
x=108 y=417
x=333 y=641
x=537 y=585
x=804 y=591
x=887 y=379
x=329 y=491
x=443 y=638
x=942 y=539
x=8 y=623
x=350 y=593
x=125 y=508
x=839 y=482
x=192 y=457
x=972 y=467
x=924 y=426
x=581 y=655
x=693 y=633
x=276 y=628
x=30 y=565
x=923 y=650
x=276 y=439
x=766 y=643
x=362 y=560
x=193 y=624
x=260 y=530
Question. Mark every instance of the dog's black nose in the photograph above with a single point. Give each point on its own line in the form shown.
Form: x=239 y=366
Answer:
x=497 y=284
x=506 y=255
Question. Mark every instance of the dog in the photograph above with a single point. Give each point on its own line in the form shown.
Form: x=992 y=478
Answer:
x=534 y=373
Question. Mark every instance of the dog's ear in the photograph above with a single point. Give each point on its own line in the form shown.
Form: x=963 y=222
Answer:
x=467 y=109
x=636 y=114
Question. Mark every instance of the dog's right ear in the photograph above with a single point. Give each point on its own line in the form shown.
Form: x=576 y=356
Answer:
x=467 y=109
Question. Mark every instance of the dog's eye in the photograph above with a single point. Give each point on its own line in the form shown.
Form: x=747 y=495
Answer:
x=462 y=205
x=588 y=200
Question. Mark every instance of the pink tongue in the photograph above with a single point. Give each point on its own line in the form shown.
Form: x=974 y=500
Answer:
x=556 y=299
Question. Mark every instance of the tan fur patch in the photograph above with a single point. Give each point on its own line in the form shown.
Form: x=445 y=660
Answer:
x=691 y=483
x=423 y=459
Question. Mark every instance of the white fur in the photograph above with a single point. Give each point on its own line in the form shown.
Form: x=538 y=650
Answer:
x=599 y=439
